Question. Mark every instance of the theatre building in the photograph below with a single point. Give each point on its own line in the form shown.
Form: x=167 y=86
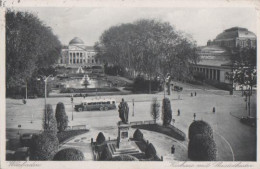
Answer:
x=215 y=57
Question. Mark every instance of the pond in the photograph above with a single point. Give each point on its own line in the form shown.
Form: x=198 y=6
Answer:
x=79 y=83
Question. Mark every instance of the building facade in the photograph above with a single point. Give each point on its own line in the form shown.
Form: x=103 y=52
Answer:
x=77 y=54
x=215 y=61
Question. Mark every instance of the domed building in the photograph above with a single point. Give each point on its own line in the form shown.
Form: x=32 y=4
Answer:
x=77 y=55
x=215 y=60
x=235 y=37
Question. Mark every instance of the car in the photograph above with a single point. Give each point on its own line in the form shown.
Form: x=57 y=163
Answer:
x=22 y=154
x=96 y=104
x=251 y=121
x=26 y=138
x=9 y=155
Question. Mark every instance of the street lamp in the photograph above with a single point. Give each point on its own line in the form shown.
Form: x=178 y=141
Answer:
x=165 y=79
x=45 y=79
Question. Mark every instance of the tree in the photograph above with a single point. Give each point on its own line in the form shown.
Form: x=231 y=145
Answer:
x=155 y=106
x=244 y=71
x=44 y=146
x=200 y=127
x=49 y=121
x=138 y=135
x=202 y=148
x=100 y=138
x=69 y=154
x=150 y=151
x=61 y=117
x=30 y=45
x=147 y=47
x=105 y=155
x=166 y=112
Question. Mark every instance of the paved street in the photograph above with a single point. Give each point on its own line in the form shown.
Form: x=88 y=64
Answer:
x=235 y=141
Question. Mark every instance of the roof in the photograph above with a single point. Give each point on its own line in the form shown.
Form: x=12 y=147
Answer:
x=212 y=62
x=211 y=49
x=235 y=32
x=97 y=100
x=76 y=40
x=213 y=55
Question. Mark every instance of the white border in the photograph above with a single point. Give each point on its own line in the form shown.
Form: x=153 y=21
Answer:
x=119 y=4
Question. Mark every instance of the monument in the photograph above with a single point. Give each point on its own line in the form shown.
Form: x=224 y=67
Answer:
x=123 y=145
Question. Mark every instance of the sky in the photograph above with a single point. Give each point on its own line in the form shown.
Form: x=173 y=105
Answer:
x=89 y=23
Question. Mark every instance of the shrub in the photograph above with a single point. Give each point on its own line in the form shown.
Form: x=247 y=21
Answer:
x=100 y=138
x=69 y=154
x=202 y=148
x=124 y=157
x=49 y=121
x=155 y=113
x=61 y=117
x=200 y=76
x=44 y=146
x=200 y=127
x=150 y=151
x=138 y=135
x=141 y=85
x=105 y=155
x=166 y=112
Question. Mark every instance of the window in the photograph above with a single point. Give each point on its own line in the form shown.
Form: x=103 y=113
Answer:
x=108 y=102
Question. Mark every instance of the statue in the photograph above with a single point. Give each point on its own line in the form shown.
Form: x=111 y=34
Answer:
x=123 y=110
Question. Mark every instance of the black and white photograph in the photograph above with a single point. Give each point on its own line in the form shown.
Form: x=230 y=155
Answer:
x=130 y=83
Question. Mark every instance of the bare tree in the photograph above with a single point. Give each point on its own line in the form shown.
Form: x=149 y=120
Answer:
x=155 y=109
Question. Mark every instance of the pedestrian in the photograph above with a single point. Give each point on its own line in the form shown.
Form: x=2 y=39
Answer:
x=194 y=115
x=179 y=113
x=84 y=96
x=24 y=101
x=191 y=94
x=195 y=93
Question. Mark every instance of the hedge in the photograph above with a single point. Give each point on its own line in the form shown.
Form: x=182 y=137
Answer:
x=105 y=155
x=44 y=146
x=124 y=157
x=65 y=135
x=202 y=148
x=168 y=130
x=150 y=151
x=200 y=127
x=69 y=154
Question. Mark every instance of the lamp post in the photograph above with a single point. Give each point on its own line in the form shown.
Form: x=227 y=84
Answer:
x=165 y=79
x=45 y=79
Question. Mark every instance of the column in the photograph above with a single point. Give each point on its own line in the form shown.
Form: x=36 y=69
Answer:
x=69 y=58
x=218 y=75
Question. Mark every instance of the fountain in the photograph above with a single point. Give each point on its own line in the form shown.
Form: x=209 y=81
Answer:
x=85 y=81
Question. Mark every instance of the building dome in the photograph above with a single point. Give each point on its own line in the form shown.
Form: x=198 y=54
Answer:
x=76 y=41
x=235 y=32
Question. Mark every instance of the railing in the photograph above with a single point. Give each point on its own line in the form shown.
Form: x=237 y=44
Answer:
x=77 y=127
x=136 y=122
x=142 y=122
